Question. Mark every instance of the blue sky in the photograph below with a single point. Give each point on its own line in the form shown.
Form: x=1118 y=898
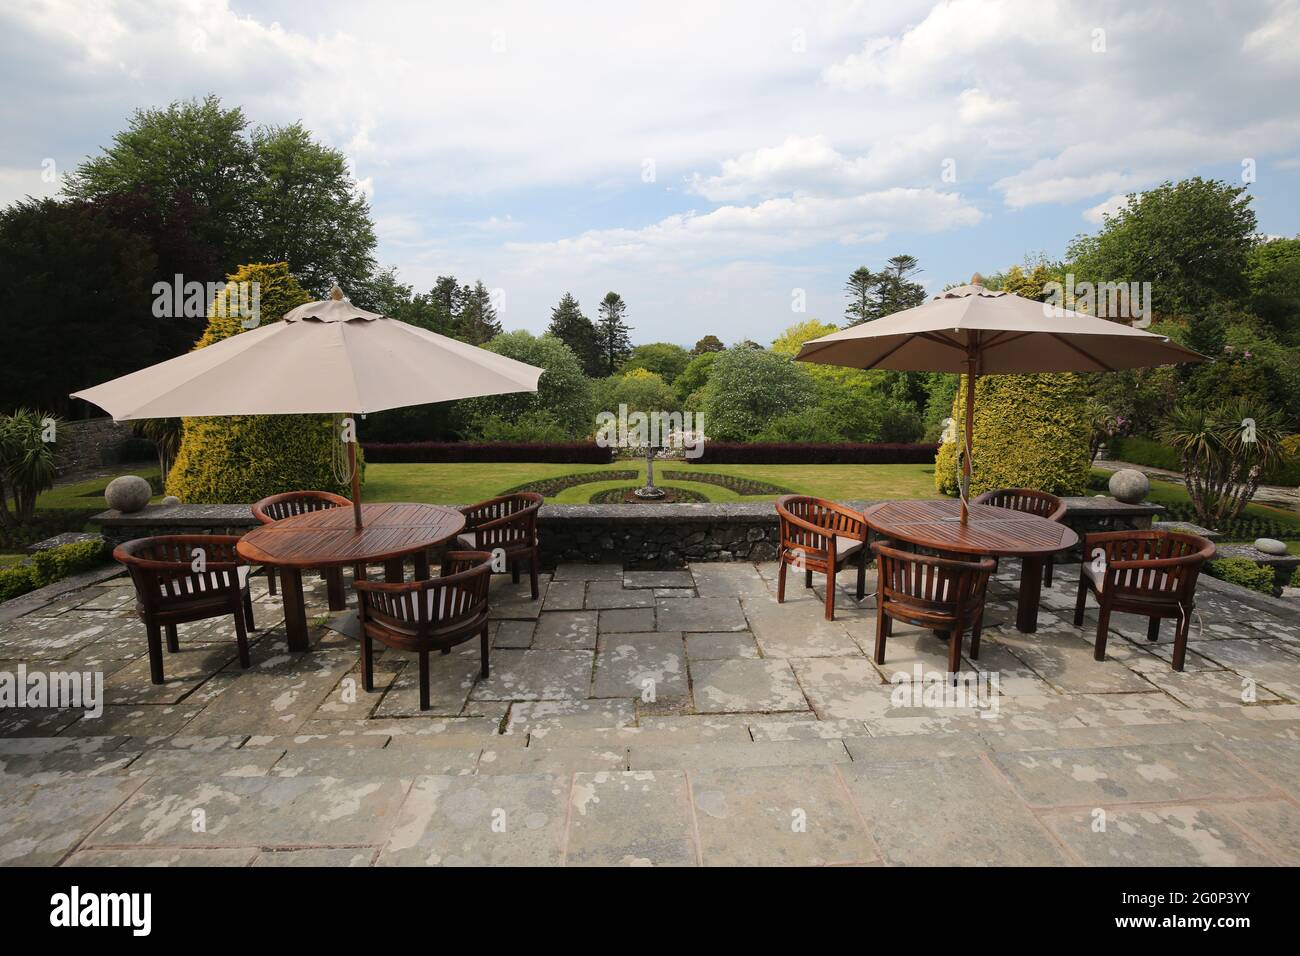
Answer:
x=789 y=142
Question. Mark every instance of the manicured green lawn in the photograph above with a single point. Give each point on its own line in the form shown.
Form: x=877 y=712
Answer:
x=89 y=493
x=464 y=483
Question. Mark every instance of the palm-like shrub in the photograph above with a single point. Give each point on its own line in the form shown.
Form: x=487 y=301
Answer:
x=26 y=463
x=1224 y=451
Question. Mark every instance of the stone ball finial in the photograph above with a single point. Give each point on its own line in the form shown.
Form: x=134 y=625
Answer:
x=128 y=493
x=336 y=293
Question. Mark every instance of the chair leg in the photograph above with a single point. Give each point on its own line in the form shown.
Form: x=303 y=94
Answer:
x=173 y=641
x=424 y=680
x=862 y=573
x=514 y=572
x=1048 y=565
x=483 y=653
x=533 y=560
x=367 y=661
x=1153 y=629
x=954 y=651
x=248 y=611
x=241 y=637
x=270 y=580
x=976 y=632
x=881 y=634
x=154 y=634
x=830 y=596
x=1082 y=601
x=1180 y=640
x=807 y=579
x=780 y=580
x=1103 y=630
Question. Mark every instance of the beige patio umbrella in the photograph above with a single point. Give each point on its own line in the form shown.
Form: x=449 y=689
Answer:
x=327 y=357
x=976 y=331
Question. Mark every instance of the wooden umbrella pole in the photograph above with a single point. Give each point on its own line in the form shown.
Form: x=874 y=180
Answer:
x=356 y=476
x=970 y=427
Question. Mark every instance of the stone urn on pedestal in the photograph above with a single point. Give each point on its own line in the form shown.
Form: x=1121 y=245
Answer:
x=648 y=490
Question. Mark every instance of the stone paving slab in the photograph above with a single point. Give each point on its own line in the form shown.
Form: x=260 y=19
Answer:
x=567 y=630
x=185 y=671
x=605 y=595
x=777 y=816
x=163 y=857
x=970 y=817
x=39 y=825
x=1105 y=776
x=737 y=685
x=791 y=630
x=636 y=818
x=843 y=687
x=704 y=614
x=658 y=579
x=319 y=857
x=259 y=811
x=540 y=718
x=725 y=754
x=729 y=580
x=565 y=596
x=400 y=763
x=708 y=646
x=537 y=675
x=641 y=665
x=1157 y=836
x=627 y=620
x=516 y=634
x=543 y=757
x=1271 y=824
x=508 y=820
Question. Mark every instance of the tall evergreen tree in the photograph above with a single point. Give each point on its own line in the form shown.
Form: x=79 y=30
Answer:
x=895 y=290
x=478 y=319
x=578 y=332
x=710 y=343
x=860 y=290
x=615 y=344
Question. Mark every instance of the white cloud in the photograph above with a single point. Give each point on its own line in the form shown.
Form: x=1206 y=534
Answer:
x=1097 y=214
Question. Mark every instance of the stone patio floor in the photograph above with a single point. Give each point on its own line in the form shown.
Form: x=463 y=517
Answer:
x=657 y=717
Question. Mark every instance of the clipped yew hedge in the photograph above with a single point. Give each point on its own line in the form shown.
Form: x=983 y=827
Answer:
x=577 y=452
x=1031 y=431
x=813 y=453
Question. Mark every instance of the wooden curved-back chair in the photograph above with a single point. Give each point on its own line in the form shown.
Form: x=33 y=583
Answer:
x=822 y=536
x=1029 y=501
x=423 y=616
x=170 y=591
x=290 y=503
x=507 y=523
x=1151 y=573
x=941 y=594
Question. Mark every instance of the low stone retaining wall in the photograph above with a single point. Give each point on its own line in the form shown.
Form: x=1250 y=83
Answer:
x=635 y=536
x=87 y=445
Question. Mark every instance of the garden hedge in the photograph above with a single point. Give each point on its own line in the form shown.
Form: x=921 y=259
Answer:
x=49 y=566
x=244 y=458
x=578 y=452
x=1144 y=451
x=1031 y=431
x=1242 y=572
x=829 y=453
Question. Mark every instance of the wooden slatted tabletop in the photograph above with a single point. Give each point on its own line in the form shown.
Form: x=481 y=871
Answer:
x=323 y=538
x=999 y=532
x=993 y=531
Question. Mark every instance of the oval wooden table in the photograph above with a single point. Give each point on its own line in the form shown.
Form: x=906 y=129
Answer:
x=999 y=532
x=390 y=532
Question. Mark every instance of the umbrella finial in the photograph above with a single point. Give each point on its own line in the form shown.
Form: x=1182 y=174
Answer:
x=977 y=279
x=336 y=293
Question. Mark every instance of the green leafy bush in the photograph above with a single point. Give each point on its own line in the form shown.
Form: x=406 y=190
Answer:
x=1242 y=572
x=749 y=388
x=535 y=426
x=1031 y=431
x=1286 y=471
x=246 y=457
x=563 y=391
x=49 y=566
x=1295 y=578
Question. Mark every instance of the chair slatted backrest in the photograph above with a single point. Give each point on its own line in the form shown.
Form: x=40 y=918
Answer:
x=807 y=525
x=1027 y=500
x=174 y=571
x=291 y=503
x=511 y=521
x=1146 y=564
x=942 y=587
x=457 y=595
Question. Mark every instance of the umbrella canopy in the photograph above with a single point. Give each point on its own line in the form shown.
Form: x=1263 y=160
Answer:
x=1004 y=332
x=325 y=358
x=977 y=331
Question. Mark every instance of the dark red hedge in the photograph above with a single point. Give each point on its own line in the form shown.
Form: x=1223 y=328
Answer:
x=792 y=453
x=588 y=453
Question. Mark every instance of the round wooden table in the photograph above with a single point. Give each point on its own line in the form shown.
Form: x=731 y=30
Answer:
x=326 y=539
x=998 y=532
